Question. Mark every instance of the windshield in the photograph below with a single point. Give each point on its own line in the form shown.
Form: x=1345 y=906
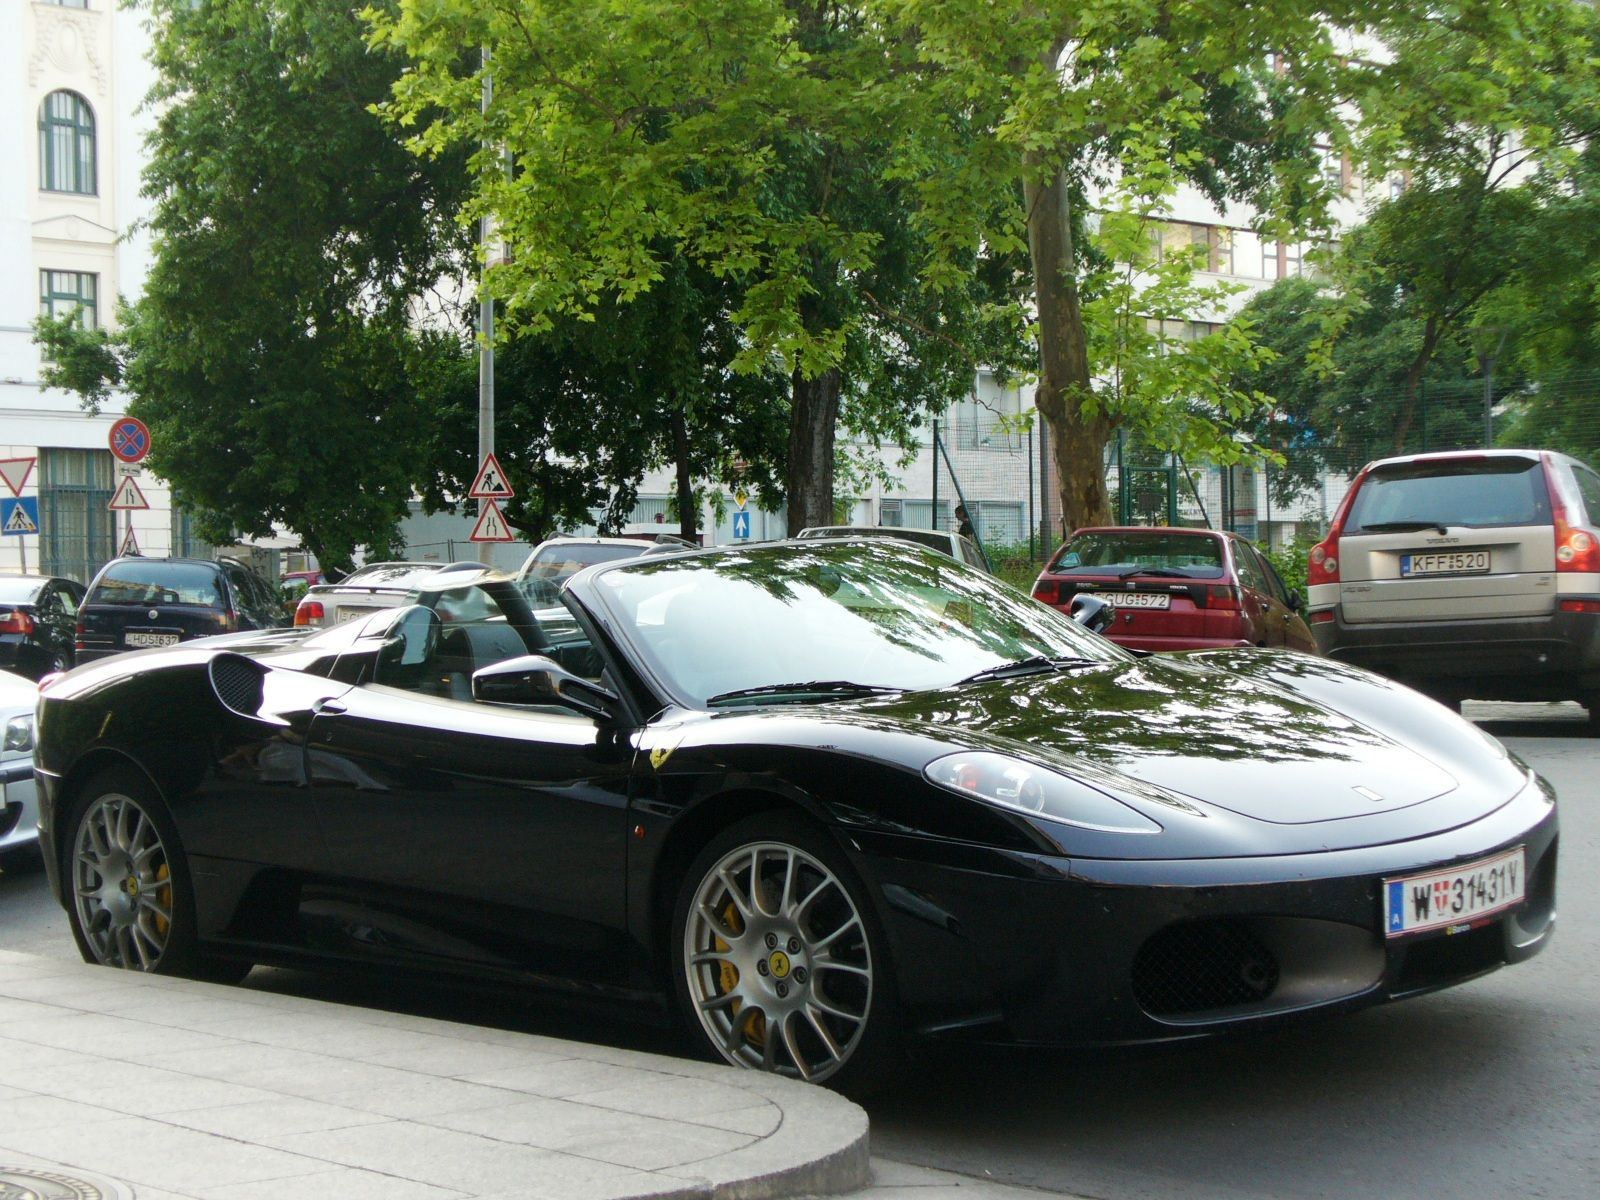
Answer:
x=554 y=563
x=1483 y=492
x=876 y=614
x=1195 y=556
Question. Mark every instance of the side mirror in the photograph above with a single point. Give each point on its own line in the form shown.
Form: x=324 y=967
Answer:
x=1296 y=602
x=535 y=679
x=1092 y=612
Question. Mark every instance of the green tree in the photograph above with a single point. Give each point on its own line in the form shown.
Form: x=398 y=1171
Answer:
x=751 y=140
x=274 y=352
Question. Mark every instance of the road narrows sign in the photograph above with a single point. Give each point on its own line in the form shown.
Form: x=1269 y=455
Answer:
x=491 y=483
x=491 y=526
x=129 y=439
x=128 y=496
x=15 y=472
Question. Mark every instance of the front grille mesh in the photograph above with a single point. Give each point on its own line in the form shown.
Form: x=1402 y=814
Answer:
x=1203 y=965
x=237 y=682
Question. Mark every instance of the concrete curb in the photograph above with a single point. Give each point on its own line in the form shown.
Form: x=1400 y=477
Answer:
x=181 y=1090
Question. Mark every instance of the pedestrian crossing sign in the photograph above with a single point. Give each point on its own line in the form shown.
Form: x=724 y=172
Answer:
x=19 y=516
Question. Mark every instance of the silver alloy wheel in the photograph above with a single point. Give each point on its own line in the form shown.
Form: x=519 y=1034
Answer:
x=778 y=963
x=122 y=884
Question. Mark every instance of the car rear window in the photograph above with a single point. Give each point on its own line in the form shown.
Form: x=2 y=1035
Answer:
x=403 y=576
x=1483 y=492
x=1194 y=556
x=158 y=583
x=568 y=559
x=19 y=591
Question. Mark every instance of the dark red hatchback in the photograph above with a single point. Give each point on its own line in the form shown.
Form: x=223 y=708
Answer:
x=1177 y=589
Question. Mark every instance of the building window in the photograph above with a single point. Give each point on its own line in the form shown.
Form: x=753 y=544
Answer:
x=69 y=3
x=66 y=144
x=1220 y=258
x=62 y=293
x=76 y=530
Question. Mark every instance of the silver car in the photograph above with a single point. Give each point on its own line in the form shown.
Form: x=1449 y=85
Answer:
x=367 y=589
x=19 y=812
x=1469 y=574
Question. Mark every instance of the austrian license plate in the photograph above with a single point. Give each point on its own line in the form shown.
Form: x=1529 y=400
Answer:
x=139 y=640
x=1459 y=896
x=1141 y=600
x=1445 y=562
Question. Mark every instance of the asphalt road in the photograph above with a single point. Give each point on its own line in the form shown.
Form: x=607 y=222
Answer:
x=1491 y=1089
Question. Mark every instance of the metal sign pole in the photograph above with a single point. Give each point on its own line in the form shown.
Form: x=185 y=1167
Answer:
x=485 y=328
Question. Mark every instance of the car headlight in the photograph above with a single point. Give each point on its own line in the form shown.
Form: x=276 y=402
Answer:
x=19 y=733
x=1028 y=788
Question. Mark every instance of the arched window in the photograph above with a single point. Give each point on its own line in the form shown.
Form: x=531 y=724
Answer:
x=66 y=144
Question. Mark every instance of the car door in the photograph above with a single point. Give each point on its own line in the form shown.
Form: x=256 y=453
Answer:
x=1263 y=627
x=473 y=833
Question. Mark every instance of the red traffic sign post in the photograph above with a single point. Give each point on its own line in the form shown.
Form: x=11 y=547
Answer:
x=491 y=526
x=491 y=485
x=130 y=439
x=128 y=496
x=15 y=472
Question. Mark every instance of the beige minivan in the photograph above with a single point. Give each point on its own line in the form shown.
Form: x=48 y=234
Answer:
x=1467 y=574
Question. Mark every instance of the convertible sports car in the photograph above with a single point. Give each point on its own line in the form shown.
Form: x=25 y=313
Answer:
x=817 y=796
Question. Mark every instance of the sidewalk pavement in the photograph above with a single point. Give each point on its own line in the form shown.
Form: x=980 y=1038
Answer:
x=121 y=1086
x=116 y=1084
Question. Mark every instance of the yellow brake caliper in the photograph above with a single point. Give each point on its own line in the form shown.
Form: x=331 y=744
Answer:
x=728 y=978
x=163 y=898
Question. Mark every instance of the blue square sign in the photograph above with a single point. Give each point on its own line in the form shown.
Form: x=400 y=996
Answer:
x=19 y=515
x=741 y=525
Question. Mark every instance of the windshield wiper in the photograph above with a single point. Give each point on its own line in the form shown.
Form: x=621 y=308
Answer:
x=802 y=693
x=1173 y=572
x=1034 y=664
x=1403 y=526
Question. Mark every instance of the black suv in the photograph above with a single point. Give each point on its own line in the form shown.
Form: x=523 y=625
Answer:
x=135 y=603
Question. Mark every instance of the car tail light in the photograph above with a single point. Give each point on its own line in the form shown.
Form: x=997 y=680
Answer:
x=1322 y=616
x=1048 y=590
x=1581 y=606
x=1577 y=549
x=1322 y=566
x=77 y=637
x=308 y=612
x=16 y=622
x=1223 y=597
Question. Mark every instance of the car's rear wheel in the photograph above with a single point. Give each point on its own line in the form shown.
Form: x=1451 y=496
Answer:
x=780 y=962
x=130 y=903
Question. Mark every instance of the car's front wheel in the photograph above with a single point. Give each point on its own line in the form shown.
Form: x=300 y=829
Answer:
x=130 y=904
x=780 y=964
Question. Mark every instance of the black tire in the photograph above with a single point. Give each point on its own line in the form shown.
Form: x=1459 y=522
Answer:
x=130 y=899
x=811 y=994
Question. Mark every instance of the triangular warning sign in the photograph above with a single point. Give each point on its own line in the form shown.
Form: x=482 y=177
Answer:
x=130 y=545
x=128 y=495
x=15 y=471
x=20 y=521
x=491 y=485
x=491 y=526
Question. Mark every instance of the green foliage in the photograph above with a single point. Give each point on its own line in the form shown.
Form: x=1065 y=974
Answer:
x=1290 y=561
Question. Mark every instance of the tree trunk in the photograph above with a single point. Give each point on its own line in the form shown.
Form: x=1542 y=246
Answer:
x=1414 y=373
x=813 y=416
x=1077 y=439
x=688 y=510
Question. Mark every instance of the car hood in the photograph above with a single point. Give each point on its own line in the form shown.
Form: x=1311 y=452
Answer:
x=1285 y=752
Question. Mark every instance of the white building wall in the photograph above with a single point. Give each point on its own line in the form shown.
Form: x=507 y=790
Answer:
x=98 y=52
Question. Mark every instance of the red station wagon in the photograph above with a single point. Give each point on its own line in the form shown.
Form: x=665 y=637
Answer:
x=1177 y=589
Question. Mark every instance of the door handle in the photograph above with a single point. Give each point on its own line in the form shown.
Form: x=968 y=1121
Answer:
x=328 y=706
